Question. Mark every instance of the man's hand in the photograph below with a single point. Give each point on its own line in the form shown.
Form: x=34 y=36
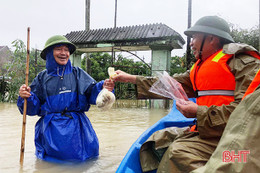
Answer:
x=24 y=91
x=189 y=110
x=124 y=77
x=109 y=84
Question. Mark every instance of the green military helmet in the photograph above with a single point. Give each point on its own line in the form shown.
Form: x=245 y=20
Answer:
x=213 y=25
x=54 y=40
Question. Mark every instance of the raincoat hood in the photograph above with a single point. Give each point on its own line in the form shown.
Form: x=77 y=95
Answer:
x=53 y=68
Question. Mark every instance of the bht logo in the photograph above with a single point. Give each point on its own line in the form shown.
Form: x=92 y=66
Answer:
x=231 y=156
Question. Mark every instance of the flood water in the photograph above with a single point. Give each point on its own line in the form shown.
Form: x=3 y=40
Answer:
x=116 y=129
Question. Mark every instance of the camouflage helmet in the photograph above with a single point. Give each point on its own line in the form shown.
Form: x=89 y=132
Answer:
x=213 y=25
x=54 y=40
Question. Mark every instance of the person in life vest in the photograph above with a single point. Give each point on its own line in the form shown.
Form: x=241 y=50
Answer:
x=60 y=95
x=218 y=80
x=238 y=150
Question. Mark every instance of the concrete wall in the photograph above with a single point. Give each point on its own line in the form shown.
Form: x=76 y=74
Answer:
x=76 y=59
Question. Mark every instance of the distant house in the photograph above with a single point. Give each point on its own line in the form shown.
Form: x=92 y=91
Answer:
x=5 y=57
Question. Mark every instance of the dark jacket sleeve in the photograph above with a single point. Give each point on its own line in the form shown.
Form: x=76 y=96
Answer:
x=33 y=102
x=143 y=85
x=88 y=87
x=95 y=90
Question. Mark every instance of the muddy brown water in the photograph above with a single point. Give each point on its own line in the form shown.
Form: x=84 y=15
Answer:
x=117 y=129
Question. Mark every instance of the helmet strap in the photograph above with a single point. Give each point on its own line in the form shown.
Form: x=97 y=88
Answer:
x=201 y=46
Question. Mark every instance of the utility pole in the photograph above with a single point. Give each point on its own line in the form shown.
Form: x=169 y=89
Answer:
x=113 y=51
x=87 y=27
x=87 y=15
x=188 y=51
x=115 y=13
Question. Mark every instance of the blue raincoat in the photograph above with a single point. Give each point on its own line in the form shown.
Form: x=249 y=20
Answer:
x=60 y=95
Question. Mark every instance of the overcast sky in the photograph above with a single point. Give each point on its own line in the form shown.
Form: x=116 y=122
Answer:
x=50 y=17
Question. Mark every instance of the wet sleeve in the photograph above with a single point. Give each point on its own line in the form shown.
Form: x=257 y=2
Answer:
x=143 y=84
x=93 y=92
x=88 y=88
x=33 y=102
x=212 y=120
x=33 y=105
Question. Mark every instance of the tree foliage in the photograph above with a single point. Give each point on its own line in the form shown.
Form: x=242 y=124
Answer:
x=177 y=64
x=16 y=69
x=99 y=65
x=248 y=36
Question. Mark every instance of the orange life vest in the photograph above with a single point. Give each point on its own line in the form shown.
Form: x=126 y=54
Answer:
x=254 y=84
x=212 y=80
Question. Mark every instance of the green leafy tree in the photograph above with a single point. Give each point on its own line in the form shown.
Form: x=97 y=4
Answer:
x=37 y=64
x=16 y=69
x=83 y=63
x=177 y=65
x=248 y=36
x=127 y=90
x=99 y=65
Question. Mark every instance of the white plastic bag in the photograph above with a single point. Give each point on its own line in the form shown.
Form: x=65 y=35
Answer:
x=168 y=87
x=105 y=98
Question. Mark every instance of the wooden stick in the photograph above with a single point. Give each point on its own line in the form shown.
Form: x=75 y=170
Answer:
x=25 y=100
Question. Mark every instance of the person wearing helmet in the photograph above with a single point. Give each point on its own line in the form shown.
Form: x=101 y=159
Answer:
x=238 y=150
x=218 y=80
x=60 y=95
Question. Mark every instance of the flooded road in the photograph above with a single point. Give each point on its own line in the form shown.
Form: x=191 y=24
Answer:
x=117 y=129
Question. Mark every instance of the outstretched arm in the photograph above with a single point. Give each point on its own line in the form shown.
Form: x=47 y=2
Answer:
x=124 y=77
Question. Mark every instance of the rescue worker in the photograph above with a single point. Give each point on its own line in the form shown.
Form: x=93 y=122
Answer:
x=241 y=136
x=218 y=80
x=60 y=95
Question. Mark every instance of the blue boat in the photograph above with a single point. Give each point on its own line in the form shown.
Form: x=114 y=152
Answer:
x=131 y=161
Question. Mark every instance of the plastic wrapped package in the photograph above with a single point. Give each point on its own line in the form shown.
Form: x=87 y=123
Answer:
x=168 y=87
x=105 y=98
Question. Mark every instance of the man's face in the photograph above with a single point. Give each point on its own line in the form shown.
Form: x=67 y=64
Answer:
x=61 y=54
x=196 y=44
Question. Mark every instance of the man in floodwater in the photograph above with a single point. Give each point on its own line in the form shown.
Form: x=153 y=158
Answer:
x=218 y=80
x=60 y=95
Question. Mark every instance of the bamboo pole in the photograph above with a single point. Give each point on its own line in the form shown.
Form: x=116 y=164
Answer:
x=25 y=100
